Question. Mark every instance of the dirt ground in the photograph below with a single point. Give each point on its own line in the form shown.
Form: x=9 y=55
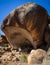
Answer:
x=18 y=58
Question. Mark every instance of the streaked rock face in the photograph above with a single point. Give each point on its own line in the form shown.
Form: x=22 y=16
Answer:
x=27 y=22
x=47 y=33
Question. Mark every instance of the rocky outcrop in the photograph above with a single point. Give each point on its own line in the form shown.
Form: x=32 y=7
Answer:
x=3 y=40
x=26 y=23
x=4 y=44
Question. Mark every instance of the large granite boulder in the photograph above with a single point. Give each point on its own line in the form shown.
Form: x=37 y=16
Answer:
x=26 y=23
x=47 y=33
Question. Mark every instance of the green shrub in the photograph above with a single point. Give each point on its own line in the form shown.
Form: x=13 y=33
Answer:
x=23 y=57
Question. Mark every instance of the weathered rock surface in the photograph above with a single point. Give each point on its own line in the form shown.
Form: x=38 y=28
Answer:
x=26 y=22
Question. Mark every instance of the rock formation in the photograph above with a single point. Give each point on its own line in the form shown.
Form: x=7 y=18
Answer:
x=27 y=22
x=3 y=40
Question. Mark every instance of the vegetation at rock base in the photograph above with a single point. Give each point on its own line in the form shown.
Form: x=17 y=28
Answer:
x=23 y=57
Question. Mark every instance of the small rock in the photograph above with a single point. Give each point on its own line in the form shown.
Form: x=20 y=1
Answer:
x=49 y=25
x=36 y=56
x=1 y=50
x=15 y=59
x=13 y=52
x=0 y=60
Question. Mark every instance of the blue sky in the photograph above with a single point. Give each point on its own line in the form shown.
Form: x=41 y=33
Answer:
x=6 y=6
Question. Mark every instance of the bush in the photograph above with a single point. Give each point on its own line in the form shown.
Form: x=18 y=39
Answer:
x=23 y=57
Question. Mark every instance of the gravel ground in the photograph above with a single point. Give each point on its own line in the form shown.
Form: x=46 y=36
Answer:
x=19 y=58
